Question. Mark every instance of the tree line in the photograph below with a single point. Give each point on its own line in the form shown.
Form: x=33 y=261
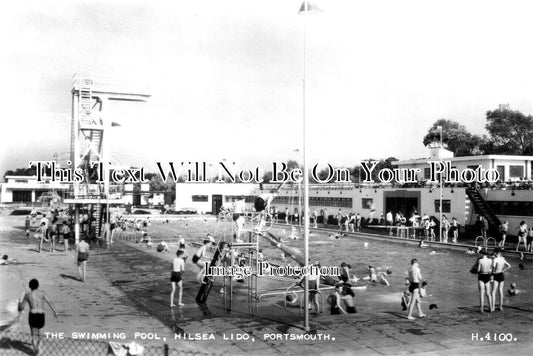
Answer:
x=510 y=132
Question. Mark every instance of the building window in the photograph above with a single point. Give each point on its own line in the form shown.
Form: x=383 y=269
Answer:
x=426 y=173
x=446 y=205
x=316 y=201
x=199 y=198
x=511 y=208
x=367 y=203
x=501 y=171
x=516 y=171
x=22 y=196
x=233 y=198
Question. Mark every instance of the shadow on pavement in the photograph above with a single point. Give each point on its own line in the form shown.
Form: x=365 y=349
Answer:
x=68 y=276
x=7 y=343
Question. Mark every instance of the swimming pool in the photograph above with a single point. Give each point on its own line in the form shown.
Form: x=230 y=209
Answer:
x=450 y=285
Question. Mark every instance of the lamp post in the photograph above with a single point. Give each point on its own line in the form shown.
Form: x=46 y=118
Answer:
x=305 y=9
x=107 y=182
x=440 y=199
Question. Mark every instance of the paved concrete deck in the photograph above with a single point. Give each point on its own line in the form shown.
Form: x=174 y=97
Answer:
x=127 y=291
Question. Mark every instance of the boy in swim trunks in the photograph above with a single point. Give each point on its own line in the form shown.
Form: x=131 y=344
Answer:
x=406 y=296
x=178 y=267
x=35 y=299
x=415 y=278
x=499 y=266
x=484 y=270
x=82 y=255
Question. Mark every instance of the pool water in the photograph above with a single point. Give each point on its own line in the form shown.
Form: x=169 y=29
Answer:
x=450 y=284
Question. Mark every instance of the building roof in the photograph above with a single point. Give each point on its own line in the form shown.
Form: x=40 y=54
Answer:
x=469 y=158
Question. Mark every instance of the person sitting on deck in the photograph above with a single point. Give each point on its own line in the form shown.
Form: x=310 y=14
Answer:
x=378 y=277
x=163 y=247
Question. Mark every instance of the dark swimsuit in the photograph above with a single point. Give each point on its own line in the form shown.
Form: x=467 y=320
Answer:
x=175 y=276
x=334 y=309
x=484 y=277
x=82 y=256
x=498 y=277
x=36 y=320
x=413 y=286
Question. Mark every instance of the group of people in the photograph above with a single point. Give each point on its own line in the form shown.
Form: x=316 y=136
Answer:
x=491 y=278
x=34 y=298
x=429 y=225
x=48 y=230
x=178 y=266
x=524 y=234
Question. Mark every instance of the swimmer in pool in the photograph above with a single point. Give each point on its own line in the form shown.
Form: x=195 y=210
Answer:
x=378 y=277
x=346 y=274
x=512 y=291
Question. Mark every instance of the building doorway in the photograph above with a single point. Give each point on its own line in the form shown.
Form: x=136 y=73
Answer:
x=403 y=201
x=21 y=196
x=216 y=204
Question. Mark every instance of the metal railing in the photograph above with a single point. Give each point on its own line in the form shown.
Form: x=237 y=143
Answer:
x=20 y=343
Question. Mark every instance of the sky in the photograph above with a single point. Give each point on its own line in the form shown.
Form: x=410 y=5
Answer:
x=226 y=77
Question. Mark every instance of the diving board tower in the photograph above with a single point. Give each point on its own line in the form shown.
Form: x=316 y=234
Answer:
x=90 y=146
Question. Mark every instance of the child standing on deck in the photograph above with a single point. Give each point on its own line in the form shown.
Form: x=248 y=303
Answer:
x=178 y=267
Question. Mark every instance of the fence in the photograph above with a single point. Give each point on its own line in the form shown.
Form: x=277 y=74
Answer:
x=18 y=343
x=133 y=236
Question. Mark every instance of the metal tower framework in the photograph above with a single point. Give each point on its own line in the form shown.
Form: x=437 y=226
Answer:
x=89 y=131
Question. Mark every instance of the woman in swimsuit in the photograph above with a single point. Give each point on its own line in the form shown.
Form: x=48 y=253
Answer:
x=499 y=266
x=522 y=235
x=455 y=230
x=484 y=270
x=200 y=257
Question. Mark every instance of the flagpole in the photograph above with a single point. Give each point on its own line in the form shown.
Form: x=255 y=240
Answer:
x=441 y=179
x=306 y=179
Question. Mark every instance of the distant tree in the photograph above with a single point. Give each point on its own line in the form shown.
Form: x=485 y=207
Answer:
x=26 y=171
x=455 y=136
x=356 y=174
x=382 y=164
x=322 y=175
x=510 y=132
x=291 y=164
x=31 y=171
x=157 y=185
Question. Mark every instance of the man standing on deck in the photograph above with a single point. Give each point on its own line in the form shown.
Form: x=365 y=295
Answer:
x=390 y=221
x=415 y=279
x=35 y=299
x=46 y=226
x=504 y=227
x=238 y=215
x=82 y=255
